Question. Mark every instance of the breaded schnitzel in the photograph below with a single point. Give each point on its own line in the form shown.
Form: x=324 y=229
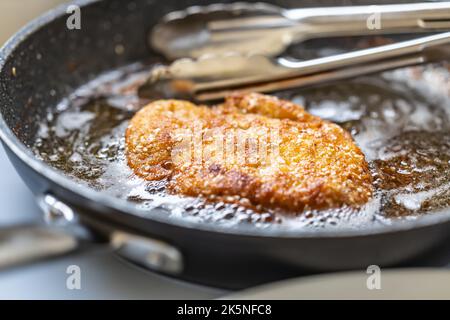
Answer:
x=254 y=150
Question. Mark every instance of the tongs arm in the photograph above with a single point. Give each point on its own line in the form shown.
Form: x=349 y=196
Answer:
x=288 y=74
x=379 y=54
x=344 y=20
x=356 y=20
x=313 y=79
x=266 y=29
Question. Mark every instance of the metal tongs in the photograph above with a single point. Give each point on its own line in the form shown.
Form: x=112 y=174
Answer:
x=214 y=77
x=260 y=28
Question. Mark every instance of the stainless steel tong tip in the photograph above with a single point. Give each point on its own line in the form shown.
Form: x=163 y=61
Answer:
x=215 y=76
x=266 y=29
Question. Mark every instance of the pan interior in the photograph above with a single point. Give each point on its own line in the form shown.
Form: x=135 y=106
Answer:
x=72 y=107
x=401 y=127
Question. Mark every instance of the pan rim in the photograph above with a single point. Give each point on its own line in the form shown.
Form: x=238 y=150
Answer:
x=121 y=206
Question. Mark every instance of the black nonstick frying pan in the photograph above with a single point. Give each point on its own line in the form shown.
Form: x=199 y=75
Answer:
x=46 y=61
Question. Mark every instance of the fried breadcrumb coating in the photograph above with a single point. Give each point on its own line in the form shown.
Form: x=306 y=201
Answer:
x=254 y=150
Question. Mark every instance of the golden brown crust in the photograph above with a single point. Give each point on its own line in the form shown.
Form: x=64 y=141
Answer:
x=268 y=106
x=282 y=156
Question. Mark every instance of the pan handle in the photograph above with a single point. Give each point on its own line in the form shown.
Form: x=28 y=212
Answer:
x=32 y=242
x=29 y=243
x=150 y=253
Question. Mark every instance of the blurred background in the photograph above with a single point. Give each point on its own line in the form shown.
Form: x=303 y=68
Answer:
x=14 y=14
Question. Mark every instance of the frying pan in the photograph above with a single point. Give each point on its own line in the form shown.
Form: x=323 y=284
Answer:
x=46 y=61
